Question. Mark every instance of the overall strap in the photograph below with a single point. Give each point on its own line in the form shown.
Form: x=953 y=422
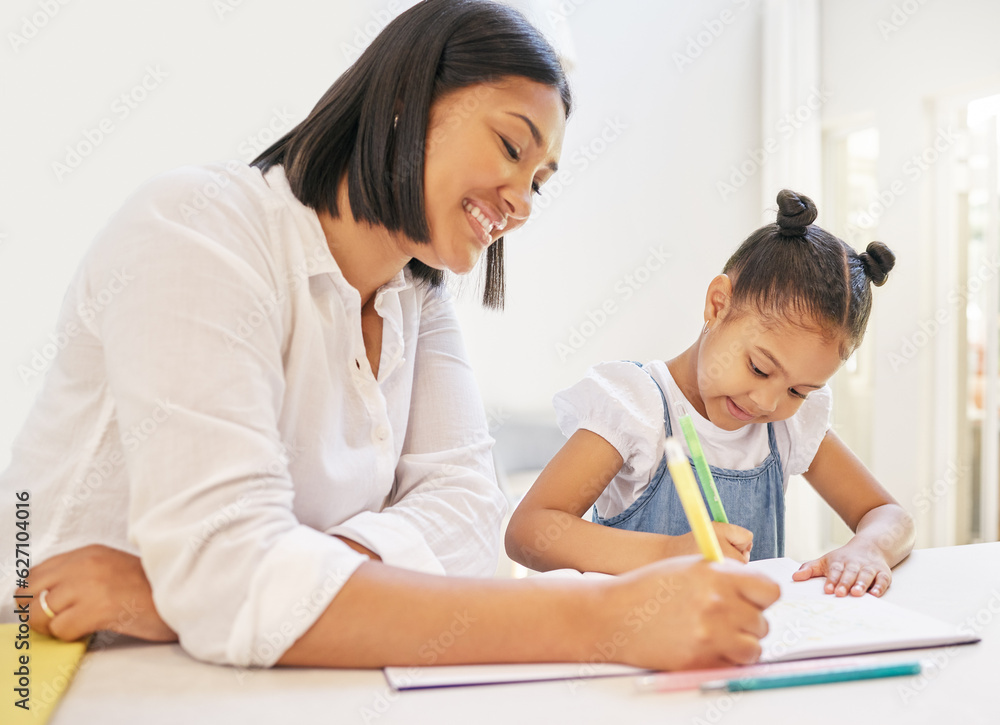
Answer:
x=772 y=441
x=663 y=398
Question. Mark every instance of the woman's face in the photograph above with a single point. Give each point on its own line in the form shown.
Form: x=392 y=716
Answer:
x=490 y=147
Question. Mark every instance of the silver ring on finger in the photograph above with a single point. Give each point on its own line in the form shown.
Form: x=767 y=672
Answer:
x=43 y=602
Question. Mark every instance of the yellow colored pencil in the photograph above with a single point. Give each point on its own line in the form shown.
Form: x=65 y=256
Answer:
x=691 y=500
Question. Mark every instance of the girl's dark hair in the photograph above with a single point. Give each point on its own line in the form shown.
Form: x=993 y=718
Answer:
x=372 y=122
x=793 y=267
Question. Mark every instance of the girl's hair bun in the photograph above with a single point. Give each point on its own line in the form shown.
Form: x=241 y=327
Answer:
x=795 y=213
x=878 y=261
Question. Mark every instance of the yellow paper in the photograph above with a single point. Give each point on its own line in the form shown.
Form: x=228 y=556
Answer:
x=47 y=671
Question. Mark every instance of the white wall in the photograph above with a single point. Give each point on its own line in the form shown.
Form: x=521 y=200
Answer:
x=661 y=138
x=222 y=76
x=890 y=60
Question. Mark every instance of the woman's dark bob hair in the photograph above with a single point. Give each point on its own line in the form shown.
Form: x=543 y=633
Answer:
x=372 y=122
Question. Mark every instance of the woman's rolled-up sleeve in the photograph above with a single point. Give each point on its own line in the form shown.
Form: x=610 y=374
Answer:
x=445 y=513
x=196 y=399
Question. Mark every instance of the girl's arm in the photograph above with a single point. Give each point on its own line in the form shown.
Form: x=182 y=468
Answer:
x=546 y=531
x=883 y=530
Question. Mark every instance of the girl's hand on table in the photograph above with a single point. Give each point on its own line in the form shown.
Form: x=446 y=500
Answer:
x=854 y=568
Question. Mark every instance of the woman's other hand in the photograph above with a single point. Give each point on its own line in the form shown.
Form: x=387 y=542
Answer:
x=94 y=588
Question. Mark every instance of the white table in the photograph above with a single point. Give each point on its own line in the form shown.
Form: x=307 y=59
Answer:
x=135 y=682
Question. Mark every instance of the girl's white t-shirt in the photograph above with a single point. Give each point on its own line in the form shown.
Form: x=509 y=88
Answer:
x=619 y=401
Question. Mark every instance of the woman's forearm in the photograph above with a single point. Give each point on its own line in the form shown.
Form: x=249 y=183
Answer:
x=400 y=617
x=682 y=613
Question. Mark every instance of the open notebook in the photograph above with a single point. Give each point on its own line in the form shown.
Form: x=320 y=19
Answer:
x=807 y=623
x=804 y=623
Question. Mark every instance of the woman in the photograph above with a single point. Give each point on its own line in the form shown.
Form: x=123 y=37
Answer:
x=277 y=416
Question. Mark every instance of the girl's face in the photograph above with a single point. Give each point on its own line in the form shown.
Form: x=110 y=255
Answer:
x=490 y=147
x=752 y=370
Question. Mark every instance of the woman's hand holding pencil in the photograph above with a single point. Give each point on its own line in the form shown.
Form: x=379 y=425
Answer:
x=694 y=614
x=716 y=606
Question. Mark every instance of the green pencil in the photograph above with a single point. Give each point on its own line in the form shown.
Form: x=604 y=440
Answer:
x=704 y=473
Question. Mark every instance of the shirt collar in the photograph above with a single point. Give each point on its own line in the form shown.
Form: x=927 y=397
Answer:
x=318 y=256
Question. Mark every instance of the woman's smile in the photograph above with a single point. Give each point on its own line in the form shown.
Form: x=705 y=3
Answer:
x=483 y=221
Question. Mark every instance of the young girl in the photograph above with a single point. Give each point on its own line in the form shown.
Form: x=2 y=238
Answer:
x=790 y=306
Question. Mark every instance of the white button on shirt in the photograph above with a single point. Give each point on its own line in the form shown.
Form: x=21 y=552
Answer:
x=217 y=415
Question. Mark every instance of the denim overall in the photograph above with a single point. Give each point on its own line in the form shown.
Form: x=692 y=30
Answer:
x=753 y=499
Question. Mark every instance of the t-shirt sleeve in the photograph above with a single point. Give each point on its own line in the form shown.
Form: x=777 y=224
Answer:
x=619 y=402
x=806 y=430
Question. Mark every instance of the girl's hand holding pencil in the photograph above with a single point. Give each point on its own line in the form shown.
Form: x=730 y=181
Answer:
x=735 y=542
